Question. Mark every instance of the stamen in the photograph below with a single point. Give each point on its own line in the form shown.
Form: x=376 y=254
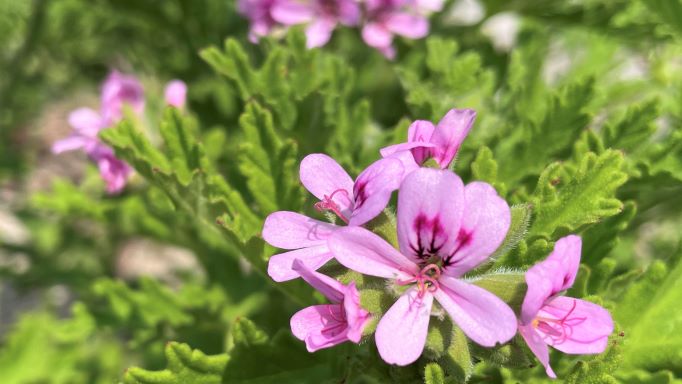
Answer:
x=327 y=204
x=559 y=330
x=426 y=279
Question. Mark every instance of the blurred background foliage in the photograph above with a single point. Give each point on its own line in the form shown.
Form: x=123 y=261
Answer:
x=579 y=117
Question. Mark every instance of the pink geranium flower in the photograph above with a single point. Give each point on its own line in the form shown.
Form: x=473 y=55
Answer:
x=355 y=203
x=323 y=326
x=440 y=142
x=175 y=94
x=570 y=325
x=86 y=124
x=118 y=90
x=114 y=172
x=386 y=18
x=322 y=17
x=444 y=230
x=259 y=13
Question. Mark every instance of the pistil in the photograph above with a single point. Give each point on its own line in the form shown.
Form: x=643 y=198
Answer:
x=328 y=204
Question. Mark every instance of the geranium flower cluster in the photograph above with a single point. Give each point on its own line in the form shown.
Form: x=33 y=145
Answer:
x=444 y=230
x=379 y=20
x=118 y=92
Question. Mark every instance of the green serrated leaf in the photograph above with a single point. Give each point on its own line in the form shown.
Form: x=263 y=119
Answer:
x=539 y=142
x=562 y=206
x=268 y=162
x=185 y=366
x=634 y=129
x=246 y=333
x=258 y=358
x=484 y=167
x=649 y=320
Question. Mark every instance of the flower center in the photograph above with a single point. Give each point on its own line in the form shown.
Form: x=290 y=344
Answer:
x=329 y=7
x=328 y=204
x=558 y=330
x=426 y=279
x=337 y=323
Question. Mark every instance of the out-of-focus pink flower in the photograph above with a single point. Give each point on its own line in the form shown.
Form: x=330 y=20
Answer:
x=175 y=94
x=425 y=141
x=119 y=90
x=259 y=13
x=386 y=18
x=570 y=325
x=444 y=230
x=86 y=124
x=382 y=19
x=322 y=17
x=323 y=326
x=114 y=172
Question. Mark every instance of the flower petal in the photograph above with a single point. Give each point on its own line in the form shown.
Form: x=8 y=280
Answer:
x=401 y=332
x=376 y=35
x=280 y=267
x=119 y=90
x=330 y=288
x=551 y=276
x=407 y=25
x=430 y=206
x=417 y=144
x=404 y=147
x=348 y=12
x=319 y=32
x=406 y=159
x=373 y=188
x=113 y=171
x=537 y=346
x=86 y=122
x=451 y=131
x=482 y=316
x=292 y=12
x=363 y=251
x=539 y=283
x=69 y=144
x=356 y=316
x=430 y=5
x=291 y=230
x=421 y=131
x=322 y=176
x=309 y=323
x=175 y=93
x=484 y=226
x=567 y=253
x=588 y=325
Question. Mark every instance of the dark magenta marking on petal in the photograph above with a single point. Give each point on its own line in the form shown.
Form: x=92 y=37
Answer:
x=359 y=193
x=428 y=231
x=329 y=8
x=464 y=238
